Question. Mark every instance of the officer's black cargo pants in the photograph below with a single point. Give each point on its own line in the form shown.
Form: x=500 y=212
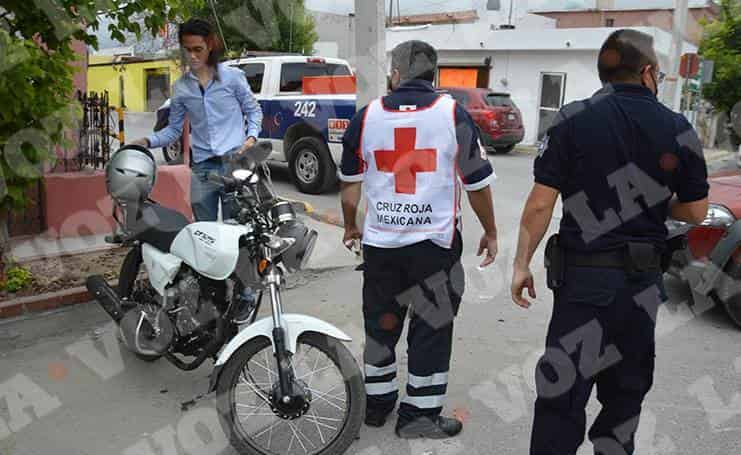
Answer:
x=426 y=281
x=602 y=332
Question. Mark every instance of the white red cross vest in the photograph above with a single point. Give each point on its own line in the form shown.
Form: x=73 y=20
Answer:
x=410 y=181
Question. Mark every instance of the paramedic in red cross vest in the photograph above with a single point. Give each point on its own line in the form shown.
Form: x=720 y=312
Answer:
x=411 y=152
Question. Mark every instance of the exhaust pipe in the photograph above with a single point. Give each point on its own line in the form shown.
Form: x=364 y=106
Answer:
x=106 y=297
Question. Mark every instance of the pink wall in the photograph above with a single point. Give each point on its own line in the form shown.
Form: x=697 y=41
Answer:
x=77 y=204
x=81 y=76
x=662 y=19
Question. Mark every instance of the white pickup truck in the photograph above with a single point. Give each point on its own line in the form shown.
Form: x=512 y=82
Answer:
x=306 y=130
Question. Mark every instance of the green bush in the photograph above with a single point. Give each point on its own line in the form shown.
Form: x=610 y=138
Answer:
x=17 y=279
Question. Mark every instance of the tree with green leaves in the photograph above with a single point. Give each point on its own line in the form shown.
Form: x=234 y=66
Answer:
x=263 y=25
x=722 y=44
x=36 y=80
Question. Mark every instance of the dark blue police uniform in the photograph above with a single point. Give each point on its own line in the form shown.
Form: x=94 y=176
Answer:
x=617 y=159
x=391 y=273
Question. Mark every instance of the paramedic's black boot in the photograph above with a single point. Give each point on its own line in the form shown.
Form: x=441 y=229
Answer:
x=429 y=427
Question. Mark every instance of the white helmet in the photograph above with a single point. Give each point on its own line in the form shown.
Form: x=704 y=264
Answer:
x=130 y=174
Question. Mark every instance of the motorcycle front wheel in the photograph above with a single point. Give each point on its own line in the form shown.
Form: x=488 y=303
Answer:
x=324 y=369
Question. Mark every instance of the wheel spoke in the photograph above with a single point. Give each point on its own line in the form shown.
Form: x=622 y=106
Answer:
x=318 y=428
x=254 y=412
x=330 y=403
x=325 y=396
x=256 y=390
x=316 y=361
x=264 y=367
x=315 y=371
x=297 y=433
x=270 y=428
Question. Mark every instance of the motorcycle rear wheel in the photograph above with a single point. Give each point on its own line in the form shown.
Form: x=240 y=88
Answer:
x=291 y=436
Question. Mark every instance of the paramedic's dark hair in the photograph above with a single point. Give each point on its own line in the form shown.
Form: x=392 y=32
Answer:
x=201 y=27
x=414 y=60
x=624 y=55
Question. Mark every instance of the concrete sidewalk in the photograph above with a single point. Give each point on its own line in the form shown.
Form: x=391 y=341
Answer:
x=328 y=252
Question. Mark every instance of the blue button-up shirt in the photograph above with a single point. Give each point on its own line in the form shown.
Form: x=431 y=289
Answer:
x=216 y=114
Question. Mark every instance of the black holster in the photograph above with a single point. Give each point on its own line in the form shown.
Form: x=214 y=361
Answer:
x=642 y=257
x=555 y=263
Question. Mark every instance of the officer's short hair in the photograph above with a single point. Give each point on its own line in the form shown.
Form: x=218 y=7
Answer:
x=624 y=55
x=414 y=60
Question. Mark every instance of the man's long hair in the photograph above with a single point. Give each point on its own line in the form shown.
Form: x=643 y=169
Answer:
x=201 y=27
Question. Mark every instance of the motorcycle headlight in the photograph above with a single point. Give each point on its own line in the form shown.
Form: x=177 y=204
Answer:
x=718 y=216
x=296 y=257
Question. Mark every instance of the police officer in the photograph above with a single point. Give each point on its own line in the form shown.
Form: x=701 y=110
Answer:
x=411 y=151
x=617 y=160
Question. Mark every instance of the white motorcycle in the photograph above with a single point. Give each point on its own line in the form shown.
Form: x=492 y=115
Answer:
x=285 y=384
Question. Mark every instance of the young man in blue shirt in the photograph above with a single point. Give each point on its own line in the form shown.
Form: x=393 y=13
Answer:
x=217 y=99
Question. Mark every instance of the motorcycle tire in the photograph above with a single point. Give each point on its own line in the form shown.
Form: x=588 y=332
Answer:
x=335 y=350
x=127 y=277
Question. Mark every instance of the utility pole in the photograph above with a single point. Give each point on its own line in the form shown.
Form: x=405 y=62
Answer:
x=370 y=49
x=672 y=92
x=391 y=13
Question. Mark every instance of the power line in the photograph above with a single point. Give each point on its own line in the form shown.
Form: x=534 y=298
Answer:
x=218 y=24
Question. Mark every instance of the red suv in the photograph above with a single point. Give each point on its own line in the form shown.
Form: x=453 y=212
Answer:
x=499 y=120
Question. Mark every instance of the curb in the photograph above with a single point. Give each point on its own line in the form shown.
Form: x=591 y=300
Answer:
x=322 y=217
x=526 y=150
x=64 y=254
x=24 y=306
x=326 y=218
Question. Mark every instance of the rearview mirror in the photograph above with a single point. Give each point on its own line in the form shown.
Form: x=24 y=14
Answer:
x=260 y=152
x=254 y=156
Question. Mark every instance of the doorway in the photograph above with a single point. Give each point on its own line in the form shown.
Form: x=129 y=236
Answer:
x=158 y=87
x=552 y=95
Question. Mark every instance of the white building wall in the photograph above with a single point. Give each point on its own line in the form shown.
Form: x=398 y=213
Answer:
x=522 y=71
x=521 y=56
x=336 y=35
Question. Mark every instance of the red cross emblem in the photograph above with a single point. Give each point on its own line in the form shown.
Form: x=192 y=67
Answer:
x=405 y=161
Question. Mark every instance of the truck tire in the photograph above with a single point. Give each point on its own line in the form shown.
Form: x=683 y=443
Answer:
x=174 y=152
x=312 y=169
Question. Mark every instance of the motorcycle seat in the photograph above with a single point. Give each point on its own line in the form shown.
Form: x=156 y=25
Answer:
x=158 y=226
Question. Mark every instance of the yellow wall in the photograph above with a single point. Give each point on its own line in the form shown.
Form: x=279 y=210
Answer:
x=106 y=77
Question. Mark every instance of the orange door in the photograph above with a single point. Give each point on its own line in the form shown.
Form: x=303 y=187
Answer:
x=458 y=77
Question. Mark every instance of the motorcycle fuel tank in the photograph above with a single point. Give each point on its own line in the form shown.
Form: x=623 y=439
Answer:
x=210 y=248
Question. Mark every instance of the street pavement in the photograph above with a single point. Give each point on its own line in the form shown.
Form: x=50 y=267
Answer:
x=68 y=388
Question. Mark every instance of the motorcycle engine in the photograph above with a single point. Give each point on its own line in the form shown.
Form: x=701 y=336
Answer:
x=193 y=310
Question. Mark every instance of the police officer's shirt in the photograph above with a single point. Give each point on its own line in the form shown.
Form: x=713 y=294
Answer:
x=413 y=150
x=617 y=159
